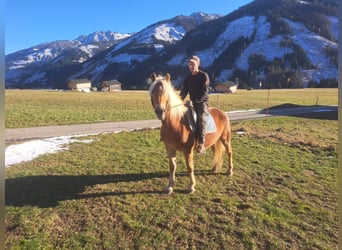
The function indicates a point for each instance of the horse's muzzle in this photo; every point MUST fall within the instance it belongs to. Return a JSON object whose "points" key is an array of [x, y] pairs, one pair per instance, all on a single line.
{"points": [[160, 112]]}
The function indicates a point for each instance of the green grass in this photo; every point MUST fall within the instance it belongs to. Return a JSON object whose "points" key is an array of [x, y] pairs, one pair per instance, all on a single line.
{"points": [[108, 194], [28, 108]]}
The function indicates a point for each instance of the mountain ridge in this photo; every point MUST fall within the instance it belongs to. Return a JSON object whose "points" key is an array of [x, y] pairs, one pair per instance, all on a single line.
{"points": [[274, 42]]}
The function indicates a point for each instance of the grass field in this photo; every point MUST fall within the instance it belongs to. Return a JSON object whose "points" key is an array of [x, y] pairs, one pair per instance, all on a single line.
{"points": [[108, 194], [26, 108]]}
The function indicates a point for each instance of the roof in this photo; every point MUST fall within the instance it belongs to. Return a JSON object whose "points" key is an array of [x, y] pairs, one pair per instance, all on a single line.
{"points": [[79, 81], [112, 82], [227, 83]]}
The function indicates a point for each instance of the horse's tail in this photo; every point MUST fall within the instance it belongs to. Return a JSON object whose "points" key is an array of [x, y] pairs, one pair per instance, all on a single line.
{"points": [[219, 150]]}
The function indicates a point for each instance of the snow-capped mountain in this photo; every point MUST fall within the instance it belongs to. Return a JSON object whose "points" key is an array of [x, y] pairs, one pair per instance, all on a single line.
{"points": [[29, 67], [98, 56], [135, 50], [281, 43], [101, 36]]}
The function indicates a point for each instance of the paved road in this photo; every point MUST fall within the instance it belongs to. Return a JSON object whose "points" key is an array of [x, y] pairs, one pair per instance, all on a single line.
{"points": [[23, 134]]}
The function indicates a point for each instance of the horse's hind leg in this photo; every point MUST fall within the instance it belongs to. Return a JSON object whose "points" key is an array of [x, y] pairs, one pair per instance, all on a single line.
{"points": [[229, 151], [172, 170], [190, 165], [218, 151], [227, 142]]}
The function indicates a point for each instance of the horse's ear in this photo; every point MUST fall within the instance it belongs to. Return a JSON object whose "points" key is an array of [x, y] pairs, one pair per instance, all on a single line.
{"points": [[168, 77], [153, 76]]}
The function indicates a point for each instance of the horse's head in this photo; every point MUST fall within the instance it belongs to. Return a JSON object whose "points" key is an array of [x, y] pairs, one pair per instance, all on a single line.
{"points": [[159, 94]]}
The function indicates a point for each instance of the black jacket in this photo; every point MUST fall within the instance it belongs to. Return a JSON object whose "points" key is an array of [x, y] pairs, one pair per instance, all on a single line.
{"points": [[197, 86]]}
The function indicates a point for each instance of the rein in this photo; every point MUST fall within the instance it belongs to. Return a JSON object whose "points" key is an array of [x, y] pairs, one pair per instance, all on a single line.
{"points": [[172, 107]]}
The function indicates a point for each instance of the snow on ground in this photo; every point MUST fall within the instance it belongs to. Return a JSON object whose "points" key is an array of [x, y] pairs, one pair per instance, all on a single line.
{"points": [[88, 49], [168, 32], [29, 150], [315, 46], [271, 48], [232, 33]]}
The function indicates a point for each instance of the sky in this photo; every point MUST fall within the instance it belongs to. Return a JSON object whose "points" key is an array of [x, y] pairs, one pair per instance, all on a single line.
{"points": [[29, 23]]}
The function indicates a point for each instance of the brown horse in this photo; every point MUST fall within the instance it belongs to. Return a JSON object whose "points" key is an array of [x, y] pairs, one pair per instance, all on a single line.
{"points": [[177, 136]]}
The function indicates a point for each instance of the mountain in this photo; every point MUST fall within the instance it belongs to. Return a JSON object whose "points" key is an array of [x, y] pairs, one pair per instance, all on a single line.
{"points": [[279, 43], [42, 65], [98, 56], [135, 50]]}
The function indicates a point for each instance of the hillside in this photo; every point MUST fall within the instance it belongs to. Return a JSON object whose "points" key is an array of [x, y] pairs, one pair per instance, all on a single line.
{"points": [[283, 44], [278, 43]]}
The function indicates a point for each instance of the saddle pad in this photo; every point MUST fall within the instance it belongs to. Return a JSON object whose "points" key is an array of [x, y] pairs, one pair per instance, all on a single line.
{"points": [[210, 125]]}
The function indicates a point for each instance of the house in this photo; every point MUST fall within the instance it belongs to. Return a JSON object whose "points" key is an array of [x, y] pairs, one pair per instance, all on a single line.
{"points": [[112, 85], [83, 85], [226, 87]]}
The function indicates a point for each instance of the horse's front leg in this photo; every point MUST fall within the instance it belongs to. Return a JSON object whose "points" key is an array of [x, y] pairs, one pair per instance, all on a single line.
{"points": [[190, 165], [172, 170]]}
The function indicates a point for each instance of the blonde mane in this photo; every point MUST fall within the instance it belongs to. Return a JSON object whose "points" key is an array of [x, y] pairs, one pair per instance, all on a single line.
{"points": [[176, 104]]}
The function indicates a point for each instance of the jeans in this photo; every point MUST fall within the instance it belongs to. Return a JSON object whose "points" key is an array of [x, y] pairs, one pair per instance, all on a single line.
{"points": [[201, 110]]}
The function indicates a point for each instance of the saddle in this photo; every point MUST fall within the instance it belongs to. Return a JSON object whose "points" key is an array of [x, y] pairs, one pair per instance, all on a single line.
{"points": [[210, 125]]}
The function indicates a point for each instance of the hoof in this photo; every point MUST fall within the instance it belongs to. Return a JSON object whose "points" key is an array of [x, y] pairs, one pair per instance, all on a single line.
{"points": [[230, 173], [215, 170], [169, 190], [191, 189]]}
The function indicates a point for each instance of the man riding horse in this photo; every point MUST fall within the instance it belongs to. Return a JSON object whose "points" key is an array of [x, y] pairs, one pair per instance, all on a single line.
{"points": [[197, 85]]}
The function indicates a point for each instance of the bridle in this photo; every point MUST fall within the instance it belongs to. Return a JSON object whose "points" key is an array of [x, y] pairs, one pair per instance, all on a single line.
{"points": [[159, 89]]}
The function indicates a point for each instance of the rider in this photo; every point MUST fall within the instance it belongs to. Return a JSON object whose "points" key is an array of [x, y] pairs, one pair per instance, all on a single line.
{"points": [[197, 85]]}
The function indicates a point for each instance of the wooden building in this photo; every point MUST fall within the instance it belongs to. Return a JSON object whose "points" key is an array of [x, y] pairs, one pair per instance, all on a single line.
{"points": [[226, 87], [79, 84], [112, 85]]}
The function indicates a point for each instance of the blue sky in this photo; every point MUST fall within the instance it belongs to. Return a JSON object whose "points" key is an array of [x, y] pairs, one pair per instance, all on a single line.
{"points": [[28, 23]]}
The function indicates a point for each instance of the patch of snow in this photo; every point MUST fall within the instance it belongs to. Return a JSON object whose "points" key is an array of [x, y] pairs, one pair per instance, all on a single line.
{"points": [[16, 67], [271, 48], [314, 46], [88, 49], [169, 33], [101, 36], [158, 47], [39, 56], [30, 150], [302, 2], [232, 33]]}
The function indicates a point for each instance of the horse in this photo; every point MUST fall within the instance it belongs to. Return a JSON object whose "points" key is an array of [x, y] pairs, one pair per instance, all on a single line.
{"points": [[177, 136]]}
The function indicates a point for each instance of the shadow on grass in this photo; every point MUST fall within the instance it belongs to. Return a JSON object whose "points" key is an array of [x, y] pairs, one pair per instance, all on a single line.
{"points": [[312, 112], [47, 191]]}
